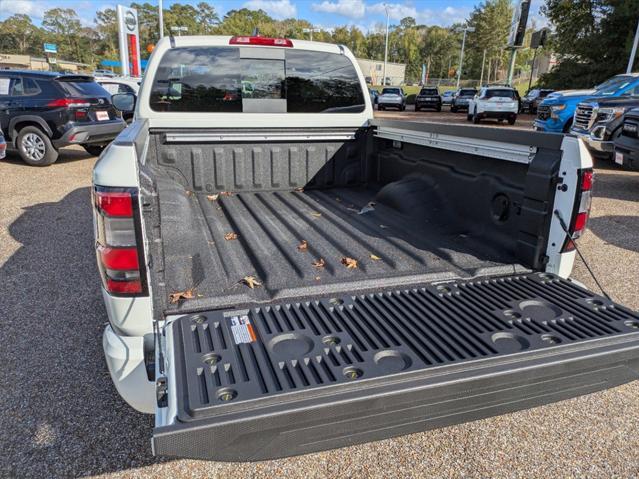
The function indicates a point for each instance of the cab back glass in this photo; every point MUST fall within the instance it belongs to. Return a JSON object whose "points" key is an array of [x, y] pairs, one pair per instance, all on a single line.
{"points": [[225, 80]]}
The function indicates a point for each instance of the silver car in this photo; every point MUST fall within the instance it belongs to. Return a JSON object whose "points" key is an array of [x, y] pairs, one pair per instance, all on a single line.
{"points": [[392, 97]]}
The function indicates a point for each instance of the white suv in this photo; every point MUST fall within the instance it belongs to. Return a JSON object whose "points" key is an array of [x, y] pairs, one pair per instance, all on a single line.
{"points": [[498, 102]]}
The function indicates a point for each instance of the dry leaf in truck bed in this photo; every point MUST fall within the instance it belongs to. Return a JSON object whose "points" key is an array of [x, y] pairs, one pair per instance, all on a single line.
{"points": [[226, 193], [374, 257], [299, 190], [316, 214], [250, 281], [176, 297], [212, 197], [350, 263], [319, 263], [188, 193], [230, 236], [303, 246]]}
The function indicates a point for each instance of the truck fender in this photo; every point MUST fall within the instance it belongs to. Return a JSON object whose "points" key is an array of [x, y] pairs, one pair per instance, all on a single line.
{"points": [[27, 118]]}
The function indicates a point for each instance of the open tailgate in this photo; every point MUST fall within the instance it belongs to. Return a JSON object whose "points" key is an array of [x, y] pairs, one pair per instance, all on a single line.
{"points": [[285, 379]]}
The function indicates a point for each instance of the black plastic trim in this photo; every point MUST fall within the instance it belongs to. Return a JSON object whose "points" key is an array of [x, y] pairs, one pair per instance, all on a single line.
{"points": [[391, 407]]}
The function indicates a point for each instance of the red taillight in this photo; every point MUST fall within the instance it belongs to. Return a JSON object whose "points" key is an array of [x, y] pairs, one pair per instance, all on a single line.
{"points": [[586, 180], [580, 222], [114, 203], [81, 115], [580, 217], [119, 258], [123, 287], [69, 103], [117, 243], [272, 42]]}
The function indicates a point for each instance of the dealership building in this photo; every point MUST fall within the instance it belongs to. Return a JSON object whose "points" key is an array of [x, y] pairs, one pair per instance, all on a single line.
{"points": [[27, 62], [373, 70]]}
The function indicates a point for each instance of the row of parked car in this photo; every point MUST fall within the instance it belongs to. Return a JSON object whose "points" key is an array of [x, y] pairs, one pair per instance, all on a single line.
{"points": [[41, 112], [605, 117], [493, 101]]}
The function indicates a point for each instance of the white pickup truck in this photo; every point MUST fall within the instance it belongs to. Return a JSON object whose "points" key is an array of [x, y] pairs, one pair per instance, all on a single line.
{"points": [[284, 274]]}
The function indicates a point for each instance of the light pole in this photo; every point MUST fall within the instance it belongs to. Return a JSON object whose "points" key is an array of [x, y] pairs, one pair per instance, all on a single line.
{"points": [[179, 30], [631, 60], [481, 77], [161, 18], [311, 30], [461, 55], [386, 47]]}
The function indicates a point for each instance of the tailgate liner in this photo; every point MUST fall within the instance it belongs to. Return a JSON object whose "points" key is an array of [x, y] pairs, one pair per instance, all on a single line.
{"points": [[294, 351]]}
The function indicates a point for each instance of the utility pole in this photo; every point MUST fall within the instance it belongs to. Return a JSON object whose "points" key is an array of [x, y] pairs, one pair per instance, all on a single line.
{"points": [[481, 77], [511, 66], [532, 68], [461, 55], [386, 47], [631, 60], [427, 72], [161, 18]]}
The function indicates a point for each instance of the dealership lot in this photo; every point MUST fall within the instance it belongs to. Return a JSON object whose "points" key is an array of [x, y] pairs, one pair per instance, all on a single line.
{"points": [[524, 120], [63, 417]]}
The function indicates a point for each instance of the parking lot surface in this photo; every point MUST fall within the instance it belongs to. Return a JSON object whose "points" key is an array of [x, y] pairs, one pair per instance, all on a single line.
{"points": [[62, 417]]}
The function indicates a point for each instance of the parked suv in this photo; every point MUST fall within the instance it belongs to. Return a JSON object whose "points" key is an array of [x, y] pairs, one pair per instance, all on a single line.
{"points": [[392, 97], [599, 121], [498, 102], [461, 99], [41, 112], [428, 97], [533, 98], [627, 142]]}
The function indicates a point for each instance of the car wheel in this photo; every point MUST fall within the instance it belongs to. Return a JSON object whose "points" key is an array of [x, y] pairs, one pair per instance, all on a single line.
{"points": [[469, 117], [416, 108], [380, 108], [512, 120], [402, 108], [453, 109], [35, 147], [475, 117], [94, 150]]}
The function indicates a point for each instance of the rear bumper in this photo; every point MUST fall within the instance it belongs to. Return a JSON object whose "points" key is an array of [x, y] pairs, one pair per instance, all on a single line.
{"points": [[405, 404], [428, 104], [95, 133], [503, 115], [125, 359], [389, 105]]}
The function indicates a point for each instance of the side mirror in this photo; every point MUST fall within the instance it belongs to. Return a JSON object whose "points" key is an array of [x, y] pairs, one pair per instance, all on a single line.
{"points": [[125, 102]]}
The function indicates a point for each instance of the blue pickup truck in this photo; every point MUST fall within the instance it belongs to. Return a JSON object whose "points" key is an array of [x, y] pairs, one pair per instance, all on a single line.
{"points": [[555, 113]]}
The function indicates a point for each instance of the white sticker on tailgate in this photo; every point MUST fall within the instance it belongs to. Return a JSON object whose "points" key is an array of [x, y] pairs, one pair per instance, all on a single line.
{"points": [[242, 329]]}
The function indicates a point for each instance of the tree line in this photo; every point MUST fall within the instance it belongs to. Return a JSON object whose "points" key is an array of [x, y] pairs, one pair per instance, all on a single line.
{"points": [[591, 38]]}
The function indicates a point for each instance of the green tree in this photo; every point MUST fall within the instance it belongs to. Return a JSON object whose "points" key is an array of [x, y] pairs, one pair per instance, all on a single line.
{"points": [[19, 35], [592, 39]]}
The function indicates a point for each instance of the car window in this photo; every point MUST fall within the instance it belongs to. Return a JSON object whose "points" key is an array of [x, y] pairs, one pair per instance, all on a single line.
{"points": [[391, 91], [610, 87], [114, 88], [81, 88], [467, 92], [499, 93], [428, 91], [216, 79], [30, 87], [533, 94], [16, 87], [634, 91]]}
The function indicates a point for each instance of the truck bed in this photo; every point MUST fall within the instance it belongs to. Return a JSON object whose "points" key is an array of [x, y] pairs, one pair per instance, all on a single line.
{"points": [[390, 248]]}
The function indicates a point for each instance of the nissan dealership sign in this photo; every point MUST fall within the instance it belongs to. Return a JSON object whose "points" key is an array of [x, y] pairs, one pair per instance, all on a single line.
{"points": [[129, 38]]}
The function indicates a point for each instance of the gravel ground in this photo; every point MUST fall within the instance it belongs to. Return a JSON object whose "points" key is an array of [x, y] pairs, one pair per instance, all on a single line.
{"points": [[61, 415]]}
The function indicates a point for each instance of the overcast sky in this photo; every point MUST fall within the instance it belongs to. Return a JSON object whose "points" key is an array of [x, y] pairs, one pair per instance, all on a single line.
{"points": [[323, 13]]}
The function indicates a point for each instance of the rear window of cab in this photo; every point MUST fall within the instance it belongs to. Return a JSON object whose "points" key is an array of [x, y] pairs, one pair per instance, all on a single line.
{"points": [[229, 80]]}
